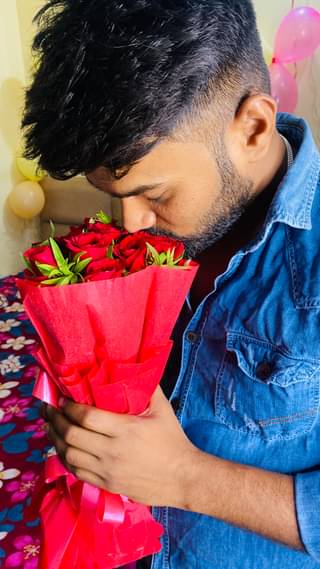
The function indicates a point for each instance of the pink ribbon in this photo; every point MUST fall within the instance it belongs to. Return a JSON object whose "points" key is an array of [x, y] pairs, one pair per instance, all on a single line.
{"points": [[84, 526]]}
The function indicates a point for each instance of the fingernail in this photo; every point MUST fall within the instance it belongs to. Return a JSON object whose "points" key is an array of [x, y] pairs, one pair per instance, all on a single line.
{"points": [[62, 401]]}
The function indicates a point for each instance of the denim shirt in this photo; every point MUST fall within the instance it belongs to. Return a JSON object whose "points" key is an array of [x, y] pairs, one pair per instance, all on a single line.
{"points": [[248, 387]]}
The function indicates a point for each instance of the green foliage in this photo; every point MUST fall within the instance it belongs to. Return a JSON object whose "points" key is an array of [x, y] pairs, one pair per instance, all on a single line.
{"points": [[101, 217], [65, 272], [163, 259]]}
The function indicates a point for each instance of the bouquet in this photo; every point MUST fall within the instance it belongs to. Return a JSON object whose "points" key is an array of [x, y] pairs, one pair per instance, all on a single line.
{"points": [[104, 341]]}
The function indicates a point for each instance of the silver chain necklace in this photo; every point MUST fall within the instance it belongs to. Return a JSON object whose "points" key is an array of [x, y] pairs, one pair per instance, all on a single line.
{"points": [[289, 151]]}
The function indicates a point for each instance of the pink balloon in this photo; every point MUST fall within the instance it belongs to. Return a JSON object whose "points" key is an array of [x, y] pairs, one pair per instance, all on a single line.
{"points": [[284, 88], [298, 35]]}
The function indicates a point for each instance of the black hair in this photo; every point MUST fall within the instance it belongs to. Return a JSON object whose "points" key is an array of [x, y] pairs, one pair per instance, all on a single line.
{"points": [[116, 76]]}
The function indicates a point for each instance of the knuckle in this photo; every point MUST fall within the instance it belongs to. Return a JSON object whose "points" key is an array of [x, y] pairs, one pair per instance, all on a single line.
{"points": [[87, 419], [70, 456], [71, 435]]}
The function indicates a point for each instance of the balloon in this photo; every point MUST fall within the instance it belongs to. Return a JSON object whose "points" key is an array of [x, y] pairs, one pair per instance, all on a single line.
{"points": [[27, 199], [284, 88], [298, 35], [30, 169], [267, 51]]}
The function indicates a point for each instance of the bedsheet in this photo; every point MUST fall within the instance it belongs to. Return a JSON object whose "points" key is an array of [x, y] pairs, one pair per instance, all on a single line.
{"points": [[23, 441]]}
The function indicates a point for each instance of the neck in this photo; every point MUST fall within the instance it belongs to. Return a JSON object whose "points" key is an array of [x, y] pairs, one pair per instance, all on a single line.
{"points": [[214, 260], [274, 164]]}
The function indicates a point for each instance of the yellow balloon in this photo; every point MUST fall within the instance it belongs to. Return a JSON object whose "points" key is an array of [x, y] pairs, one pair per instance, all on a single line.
{"points": [[27, 199], [267, 51], [30, 169]]}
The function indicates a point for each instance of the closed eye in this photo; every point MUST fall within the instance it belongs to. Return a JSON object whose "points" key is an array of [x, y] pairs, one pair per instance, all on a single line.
{"points": [[159, 198]]}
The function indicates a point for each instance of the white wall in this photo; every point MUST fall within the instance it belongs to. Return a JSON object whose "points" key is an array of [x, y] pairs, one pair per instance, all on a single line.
{"points": [[15, 234]]}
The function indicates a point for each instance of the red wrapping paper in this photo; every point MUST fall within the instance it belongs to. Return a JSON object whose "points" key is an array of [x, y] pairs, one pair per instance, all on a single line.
{"points": [[102, 343]]}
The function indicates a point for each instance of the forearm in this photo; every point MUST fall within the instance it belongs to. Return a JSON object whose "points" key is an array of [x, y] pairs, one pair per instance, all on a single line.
{"points": [[250, 498]]}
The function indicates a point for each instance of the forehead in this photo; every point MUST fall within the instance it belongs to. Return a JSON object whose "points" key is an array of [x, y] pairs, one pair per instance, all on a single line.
{"points": [[167, 163]]}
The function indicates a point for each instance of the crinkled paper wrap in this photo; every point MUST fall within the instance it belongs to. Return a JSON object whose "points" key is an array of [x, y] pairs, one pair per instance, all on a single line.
{"points": [[104, 343]]}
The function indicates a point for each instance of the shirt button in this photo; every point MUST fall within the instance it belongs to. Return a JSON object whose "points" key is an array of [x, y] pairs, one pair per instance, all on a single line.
{"points": [[264, 370], [192, 337], [175, 403]]}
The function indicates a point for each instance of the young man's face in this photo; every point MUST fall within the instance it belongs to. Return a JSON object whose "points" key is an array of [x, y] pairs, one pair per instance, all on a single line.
{"points": [[181, 190]]}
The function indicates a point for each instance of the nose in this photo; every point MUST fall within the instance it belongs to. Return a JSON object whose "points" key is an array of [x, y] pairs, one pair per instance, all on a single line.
{"points": [[136, 214]]}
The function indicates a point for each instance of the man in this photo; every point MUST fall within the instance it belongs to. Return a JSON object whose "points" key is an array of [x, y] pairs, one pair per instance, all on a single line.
{"points": [[166, 104]]}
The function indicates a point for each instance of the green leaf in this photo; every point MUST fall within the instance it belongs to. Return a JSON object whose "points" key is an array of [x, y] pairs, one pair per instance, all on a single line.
{"points": [[81, 265], [78, 256], [57, 253], [44, 243], [45, 269], [153, 254], [60, 281], [109, 254], [52, 282], [103, 217], [74, 279], [178, 259], [64, 281], [55, 273], [52, 229], [28, 263]]}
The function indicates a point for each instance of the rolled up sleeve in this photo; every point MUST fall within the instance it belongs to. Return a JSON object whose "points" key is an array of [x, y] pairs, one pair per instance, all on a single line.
{"points": [[307, 495]]}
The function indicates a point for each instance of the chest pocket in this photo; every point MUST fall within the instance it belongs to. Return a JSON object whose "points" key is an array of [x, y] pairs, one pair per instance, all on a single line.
{"points": [[264, 391]]}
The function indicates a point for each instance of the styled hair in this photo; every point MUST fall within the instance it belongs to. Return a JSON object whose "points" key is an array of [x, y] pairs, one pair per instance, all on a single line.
{"points": [[116, 76]]}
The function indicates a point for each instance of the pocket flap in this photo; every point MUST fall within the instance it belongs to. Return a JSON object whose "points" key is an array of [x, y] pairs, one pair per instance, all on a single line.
{"points": [[268, 363]]}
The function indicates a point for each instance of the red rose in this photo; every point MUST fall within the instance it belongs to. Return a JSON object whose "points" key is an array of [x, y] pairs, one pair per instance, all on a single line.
{"points": [[99, 227], [93, 245], [103, 269], [39, 254], [75, 230], [132, 251], [162, 244]]}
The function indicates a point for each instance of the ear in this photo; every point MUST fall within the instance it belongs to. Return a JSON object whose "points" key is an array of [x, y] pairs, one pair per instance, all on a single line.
{"points": [[252, 130]]}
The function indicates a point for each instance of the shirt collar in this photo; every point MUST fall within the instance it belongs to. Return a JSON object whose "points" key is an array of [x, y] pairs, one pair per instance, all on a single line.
{"points": [[293, 201]]}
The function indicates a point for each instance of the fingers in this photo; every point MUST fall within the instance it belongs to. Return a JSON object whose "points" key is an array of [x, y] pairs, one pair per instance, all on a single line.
{"points": [[97, 420], [43, 411], [90, 477], [73, 458], [74, 436]]}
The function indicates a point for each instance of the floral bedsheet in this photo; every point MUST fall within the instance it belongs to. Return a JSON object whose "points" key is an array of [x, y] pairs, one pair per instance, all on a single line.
{"points": [[23, 441]]}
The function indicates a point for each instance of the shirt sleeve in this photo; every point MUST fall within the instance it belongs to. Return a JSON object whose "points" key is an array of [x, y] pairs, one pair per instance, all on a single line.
{"points": [[307, 496]]}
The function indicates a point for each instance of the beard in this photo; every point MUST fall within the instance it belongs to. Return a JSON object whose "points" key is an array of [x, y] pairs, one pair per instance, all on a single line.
{"points": [[224, 212]]}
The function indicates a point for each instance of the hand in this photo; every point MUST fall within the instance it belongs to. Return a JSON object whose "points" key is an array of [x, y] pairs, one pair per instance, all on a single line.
{"points": [[147, 458]]}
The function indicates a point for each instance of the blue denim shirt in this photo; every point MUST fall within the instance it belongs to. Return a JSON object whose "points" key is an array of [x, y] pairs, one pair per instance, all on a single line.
{"points": [[248, 387]]}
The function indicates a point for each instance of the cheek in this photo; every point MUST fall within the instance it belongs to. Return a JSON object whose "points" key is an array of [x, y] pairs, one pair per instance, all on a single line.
{"points": [[184, 213]]}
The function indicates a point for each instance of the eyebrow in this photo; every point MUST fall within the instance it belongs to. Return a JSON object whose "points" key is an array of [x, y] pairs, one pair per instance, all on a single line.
{"points": [[134, 192]]}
